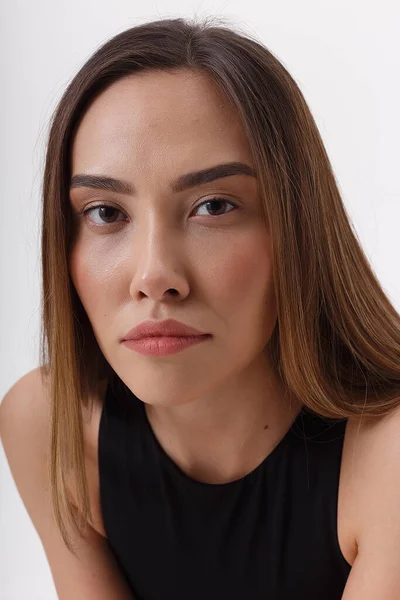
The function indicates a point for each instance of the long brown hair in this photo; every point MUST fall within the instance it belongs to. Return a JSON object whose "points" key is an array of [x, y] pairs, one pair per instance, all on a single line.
{"points": [[336, 344]]}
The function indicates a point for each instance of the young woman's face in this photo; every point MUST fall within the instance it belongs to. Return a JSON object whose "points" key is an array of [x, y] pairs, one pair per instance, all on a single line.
{"points": [[148, 130]]}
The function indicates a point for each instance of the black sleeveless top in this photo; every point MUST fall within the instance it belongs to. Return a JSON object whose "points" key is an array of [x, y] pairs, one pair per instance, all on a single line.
{"points": [[271, 535]]}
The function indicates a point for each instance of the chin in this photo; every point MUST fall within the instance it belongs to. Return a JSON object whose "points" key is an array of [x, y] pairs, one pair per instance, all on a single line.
{"points": [[163, 393]]}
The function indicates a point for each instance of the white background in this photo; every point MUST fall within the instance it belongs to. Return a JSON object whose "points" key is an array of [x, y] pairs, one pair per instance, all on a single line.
{"points": [[344, 54]]}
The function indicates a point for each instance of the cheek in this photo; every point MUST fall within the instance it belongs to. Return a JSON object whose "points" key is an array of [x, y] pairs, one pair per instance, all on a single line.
{"points": [[92, 275], [242, 274]]}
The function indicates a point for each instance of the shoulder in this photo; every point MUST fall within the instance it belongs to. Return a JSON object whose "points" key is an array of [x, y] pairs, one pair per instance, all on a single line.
{"points": [[33, 381], [371, 484], [25, 431], [373, 453], [25, 435], [25, 412]]}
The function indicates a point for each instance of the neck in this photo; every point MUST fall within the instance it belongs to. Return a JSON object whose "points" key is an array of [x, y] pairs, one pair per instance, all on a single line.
{"points": [[225, 434]]}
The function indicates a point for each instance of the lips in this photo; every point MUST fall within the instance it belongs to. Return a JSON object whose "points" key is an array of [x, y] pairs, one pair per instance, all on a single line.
{"points": [[167, 328]]}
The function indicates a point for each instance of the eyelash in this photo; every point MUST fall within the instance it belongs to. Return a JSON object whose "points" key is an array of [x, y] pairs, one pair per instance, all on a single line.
{"points": [[215, 199]]}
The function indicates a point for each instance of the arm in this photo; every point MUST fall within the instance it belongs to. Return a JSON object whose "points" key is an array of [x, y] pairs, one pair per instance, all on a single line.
{"points": [[376, 492], [24, 429]]}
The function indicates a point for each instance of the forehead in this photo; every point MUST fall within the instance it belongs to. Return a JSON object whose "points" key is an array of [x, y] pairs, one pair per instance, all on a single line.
{"points": [[156, 117]]}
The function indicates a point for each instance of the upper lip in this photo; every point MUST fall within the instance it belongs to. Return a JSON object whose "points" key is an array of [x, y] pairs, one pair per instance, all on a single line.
{"points": [[166, 328]]}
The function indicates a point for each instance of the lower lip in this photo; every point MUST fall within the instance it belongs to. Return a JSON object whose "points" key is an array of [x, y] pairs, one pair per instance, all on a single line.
{"points": [[162, 346]]}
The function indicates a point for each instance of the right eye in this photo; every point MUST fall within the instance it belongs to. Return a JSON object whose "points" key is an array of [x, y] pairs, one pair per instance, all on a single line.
{"points": [[106, 212]]}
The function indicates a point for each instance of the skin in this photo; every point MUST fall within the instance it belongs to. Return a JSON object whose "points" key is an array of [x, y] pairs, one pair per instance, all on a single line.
{"points": [[216, 406]]}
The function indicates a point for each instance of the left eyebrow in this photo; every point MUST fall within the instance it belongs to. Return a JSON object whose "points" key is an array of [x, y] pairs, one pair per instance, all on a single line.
{"points": [[189, 180]]}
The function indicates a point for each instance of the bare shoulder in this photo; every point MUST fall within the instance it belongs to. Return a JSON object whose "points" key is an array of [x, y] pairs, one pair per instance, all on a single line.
{"points": [[25, 413], [25, 424], [373, 444], [370, 505], [370, 478], [25, 432], [33, 382], [24, 416]]}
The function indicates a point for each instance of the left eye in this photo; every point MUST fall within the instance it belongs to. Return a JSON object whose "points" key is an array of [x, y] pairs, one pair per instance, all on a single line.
{"points": [[215, 203]]}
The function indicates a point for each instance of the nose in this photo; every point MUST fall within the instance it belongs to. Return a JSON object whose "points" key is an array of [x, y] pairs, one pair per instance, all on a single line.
{"points": [[158, 272]]}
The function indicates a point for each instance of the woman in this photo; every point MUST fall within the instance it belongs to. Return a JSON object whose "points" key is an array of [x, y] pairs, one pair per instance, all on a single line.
{"points": [[218, 399]]}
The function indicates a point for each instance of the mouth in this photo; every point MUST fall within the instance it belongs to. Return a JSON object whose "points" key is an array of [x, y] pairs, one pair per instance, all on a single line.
{"points": [[168, 327], [164, 345]]}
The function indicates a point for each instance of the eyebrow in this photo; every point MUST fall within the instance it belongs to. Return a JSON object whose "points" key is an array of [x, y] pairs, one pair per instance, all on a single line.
{"points": [[189, 180]]}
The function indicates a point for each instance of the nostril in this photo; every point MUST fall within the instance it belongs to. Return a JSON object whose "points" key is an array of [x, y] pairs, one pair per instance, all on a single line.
{"points": [[172, 292]]}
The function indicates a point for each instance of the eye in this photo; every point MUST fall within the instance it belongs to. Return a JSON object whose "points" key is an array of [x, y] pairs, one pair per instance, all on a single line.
{"points": [[106, 212], [214, 205]]}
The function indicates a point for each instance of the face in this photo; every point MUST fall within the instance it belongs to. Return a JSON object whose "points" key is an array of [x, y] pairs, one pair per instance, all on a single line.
{"points": [[208, 243]]}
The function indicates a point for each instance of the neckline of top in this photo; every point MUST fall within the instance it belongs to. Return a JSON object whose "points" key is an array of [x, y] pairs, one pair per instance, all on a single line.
{"points": [[247, 478]]}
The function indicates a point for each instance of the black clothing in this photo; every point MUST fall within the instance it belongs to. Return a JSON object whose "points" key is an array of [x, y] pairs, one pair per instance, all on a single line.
{"points": [[271, 535]]}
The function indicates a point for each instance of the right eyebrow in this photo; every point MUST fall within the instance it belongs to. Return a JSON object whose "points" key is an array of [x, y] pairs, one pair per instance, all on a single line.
{"points": [[189, 180]]}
